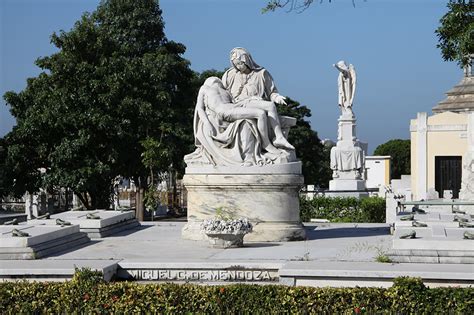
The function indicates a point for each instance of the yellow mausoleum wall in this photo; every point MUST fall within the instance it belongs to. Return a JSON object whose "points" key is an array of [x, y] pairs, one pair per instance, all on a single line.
{"points": [[445, 136]]}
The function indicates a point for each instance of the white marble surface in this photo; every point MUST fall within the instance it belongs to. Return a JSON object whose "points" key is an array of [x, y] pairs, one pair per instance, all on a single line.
{"points": [[236, 121], [287, 168], [107, 218], [264, 199], [37, 234], [342, 185]]}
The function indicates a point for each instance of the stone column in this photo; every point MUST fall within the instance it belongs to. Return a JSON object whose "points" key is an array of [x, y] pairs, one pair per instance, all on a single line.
{"points": [[467, 184], [421, 139]]}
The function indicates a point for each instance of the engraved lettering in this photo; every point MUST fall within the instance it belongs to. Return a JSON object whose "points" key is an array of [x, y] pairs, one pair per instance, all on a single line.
{"points": [[214, 274], [194, 275], [163, 274], [145, 275], [133, 273], [266, 275], [202, 275], [223, 275], [249, 275]]}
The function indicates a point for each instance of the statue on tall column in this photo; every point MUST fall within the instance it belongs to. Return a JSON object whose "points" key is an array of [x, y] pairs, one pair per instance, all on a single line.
{"points": [[347, 158], [347, 84]]}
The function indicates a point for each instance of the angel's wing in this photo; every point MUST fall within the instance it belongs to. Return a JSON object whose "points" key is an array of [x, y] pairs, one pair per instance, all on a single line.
{"points": [[353, 82]]}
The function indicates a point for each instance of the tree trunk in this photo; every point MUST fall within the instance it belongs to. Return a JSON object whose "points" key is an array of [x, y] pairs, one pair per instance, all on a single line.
{"points": [[83, 199], [140, 207]]}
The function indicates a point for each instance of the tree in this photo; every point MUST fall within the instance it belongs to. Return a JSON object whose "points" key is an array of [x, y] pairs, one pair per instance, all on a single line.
{"points": [[399, 150], [291, 5], [115, 82], [308, 146], [2, 168], [456, 32]]}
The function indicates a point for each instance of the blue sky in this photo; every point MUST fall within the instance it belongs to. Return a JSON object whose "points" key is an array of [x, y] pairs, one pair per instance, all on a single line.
{"points": [[391, 43]]}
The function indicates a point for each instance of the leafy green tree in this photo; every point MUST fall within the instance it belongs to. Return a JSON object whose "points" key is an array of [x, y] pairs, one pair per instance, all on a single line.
{"points": [[399, 150], [115, 82], [2, 168], [456, 32], [309, 148]]}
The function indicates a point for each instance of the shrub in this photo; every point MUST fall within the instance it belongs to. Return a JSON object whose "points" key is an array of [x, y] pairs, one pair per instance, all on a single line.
{"points": [[343, 209], [406, 296]]}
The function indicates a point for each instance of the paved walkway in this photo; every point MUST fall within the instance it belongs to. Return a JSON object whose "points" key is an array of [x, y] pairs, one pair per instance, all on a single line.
{"points": [[334, 254]]}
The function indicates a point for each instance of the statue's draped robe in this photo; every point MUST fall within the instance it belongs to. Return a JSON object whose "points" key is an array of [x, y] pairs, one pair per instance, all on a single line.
{"points": [[238, 142]]}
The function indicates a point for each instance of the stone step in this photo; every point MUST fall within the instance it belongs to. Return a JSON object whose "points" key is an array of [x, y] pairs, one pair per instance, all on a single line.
{"points": [[432, 256], [434, 217], [437, 231], [439, 208], [363, 274], [53, 270], [407, 224], [111, 229]]}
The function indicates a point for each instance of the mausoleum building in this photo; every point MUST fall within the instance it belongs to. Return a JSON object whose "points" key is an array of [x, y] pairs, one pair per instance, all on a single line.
{"points": [[441, 144]]}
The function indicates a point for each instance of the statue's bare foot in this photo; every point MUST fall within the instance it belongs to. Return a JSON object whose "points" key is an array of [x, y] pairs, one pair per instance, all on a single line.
{"points": [[283, 143], [270, 148]]}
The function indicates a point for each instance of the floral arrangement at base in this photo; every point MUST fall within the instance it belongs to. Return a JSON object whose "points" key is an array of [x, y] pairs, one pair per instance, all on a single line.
{"points": [[226, 233]]}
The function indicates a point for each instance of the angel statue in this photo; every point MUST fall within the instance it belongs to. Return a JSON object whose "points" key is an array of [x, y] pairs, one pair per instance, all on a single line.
{"points": [[347, 84]]}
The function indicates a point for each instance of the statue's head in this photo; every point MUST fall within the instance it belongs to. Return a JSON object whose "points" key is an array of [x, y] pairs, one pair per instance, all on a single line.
{"points": [[342, 65], [241, 60]]}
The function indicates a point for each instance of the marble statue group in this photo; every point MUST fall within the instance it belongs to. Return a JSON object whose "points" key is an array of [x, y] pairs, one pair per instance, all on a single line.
{"points": [[236, 120]]}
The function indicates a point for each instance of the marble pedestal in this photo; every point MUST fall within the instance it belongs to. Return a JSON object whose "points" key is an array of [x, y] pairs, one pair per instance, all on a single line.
{"points": [[268, 196], [347, 162], [347, 188]]}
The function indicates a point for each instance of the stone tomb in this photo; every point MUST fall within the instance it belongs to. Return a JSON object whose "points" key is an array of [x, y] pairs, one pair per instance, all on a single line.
{"points": [[42, 240], [107, 223], [441, 241]]}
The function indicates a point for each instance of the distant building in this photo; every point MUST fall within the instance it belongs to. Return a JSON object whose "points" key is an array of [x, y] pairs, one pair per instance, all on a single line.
{"points": [[440, 143], [377, 168]]}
